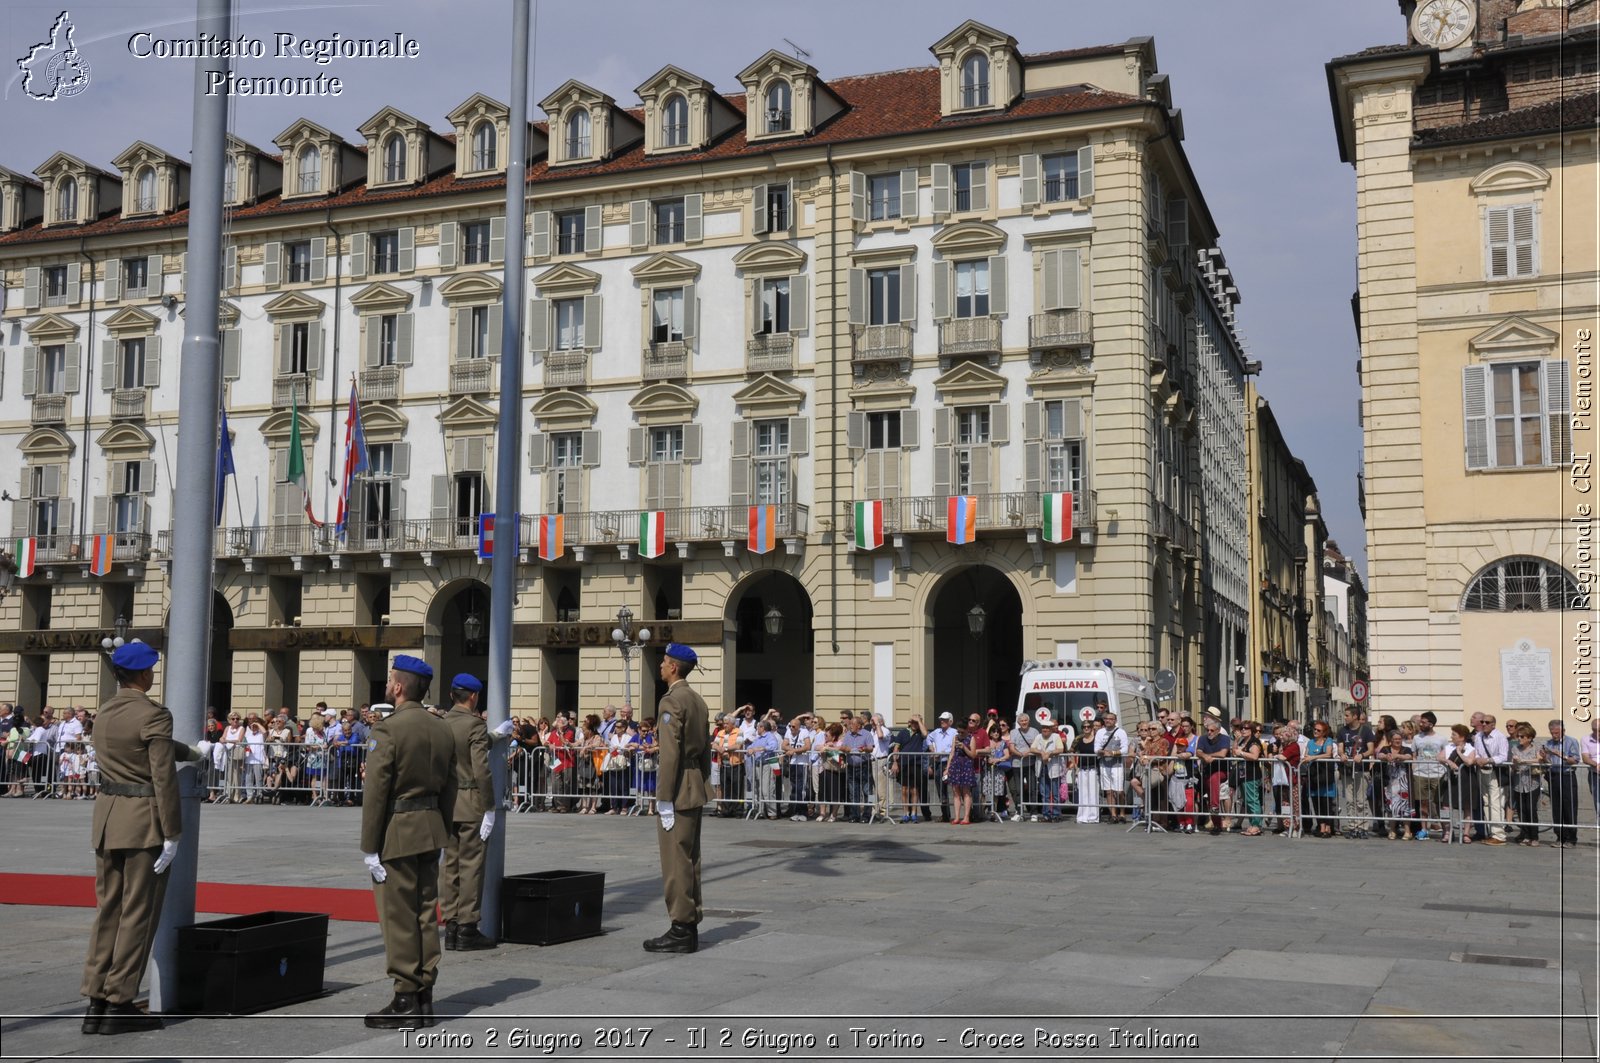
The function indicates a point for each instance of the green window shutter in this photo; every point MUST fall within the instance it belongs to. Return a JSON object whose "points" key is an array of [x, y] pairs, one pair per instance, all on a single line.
{"points": [[593, 316], [594, 236], [408, 248], [799, 303], [230, 354], [1475, 381], [639, 224], [541, 234], [980, 186], [108, 365], [271, 263], [910, 429], [30, 372], [497, 238], [799, 436], [538, 325], [113, 286], [858, 197], [496, 324], [75, 282], [1085, 171], [74, 368], [1557, 390], [404, 339], [693, 219], [941, 291], [690, 316], [1029, 165], [997, 285], [908, 294], [152, 362], [447, 245], [941, 190], [858, 296], [358, 255], [758, 209], [908, 193], [32, 282]]}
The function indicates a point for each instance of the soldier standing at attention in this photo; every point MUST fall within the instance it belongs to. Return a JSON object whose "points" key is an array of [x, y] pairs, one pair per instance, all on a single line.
{"points": [[472, 822], [408, 799], [682, 789], [135, 832]]}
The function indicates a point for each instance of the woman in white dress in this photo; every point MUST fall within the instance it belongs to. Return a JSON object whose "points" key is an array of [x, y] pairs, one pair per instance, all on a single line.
{"points": [[1086, 766]]}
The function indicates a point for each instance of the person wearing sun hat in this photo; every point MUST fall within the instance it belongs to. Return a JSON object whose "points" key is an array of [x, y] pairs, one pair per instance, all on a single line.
{"points": [[682, 789]]}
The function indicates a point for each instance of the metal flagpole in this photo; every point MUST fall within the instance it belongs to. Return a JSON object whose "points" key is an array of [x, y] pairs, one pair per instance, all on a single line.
{"points": [[188, 650], [503, 567]]}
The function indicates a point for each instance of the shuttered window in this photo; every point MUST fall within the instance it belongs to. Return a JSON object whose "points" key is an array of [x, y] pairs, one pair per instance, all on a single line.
{"points": [[883, 196], [666, 315], [774, 306], [569, 324], [475, 243], [570, 230], [772, 472], [1512, 241], [564, 476], [1517, 415], [972, 288]]}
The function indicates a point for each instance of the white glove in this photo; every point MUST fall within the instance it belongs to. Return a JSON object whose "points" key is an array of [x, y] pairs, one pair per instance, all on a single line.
{"points": [[374, 864], [667, 817], [169, 852], [488, 825], [505, 729]]}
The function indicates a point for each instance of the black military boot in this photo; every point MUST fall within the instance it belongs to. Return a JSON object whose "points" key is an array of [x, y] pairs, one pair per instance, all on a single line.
{"points": [[452, 935], [401, 1013], [680, 937], [127, 1018], [471, 939], [92, 1017], [425, 1005]]}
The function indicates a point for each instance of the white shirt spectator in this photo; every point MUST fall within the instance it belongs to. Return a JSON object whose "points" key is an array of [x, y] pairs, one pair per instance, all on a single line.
{"points": [[1426, 748], [70, 731], [942, 740], [255, 747], [884, 738], [1493, 747]]}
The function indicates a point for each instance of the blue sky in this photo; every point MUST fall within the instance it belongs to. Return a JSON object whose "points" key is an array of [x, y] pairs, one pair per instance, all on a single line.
{"points": [[1248, 75]]}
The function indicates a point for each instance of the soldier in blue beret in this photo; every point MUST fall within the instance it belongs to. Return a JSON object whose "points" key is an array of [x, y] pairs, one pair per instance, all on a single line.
{"points": [[682, 791]]}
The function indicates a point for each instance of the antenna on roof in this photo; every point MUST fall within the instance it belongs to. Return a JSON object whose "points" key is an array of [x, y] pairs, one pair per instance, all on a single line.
{"points": [[799, 52]]}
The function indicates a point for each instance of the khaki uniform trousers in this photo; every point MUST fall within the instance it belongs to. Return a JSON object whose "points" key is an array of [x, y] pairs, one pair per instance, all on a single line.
{"points": [[680, 867], [461, 884], [127, 894], [407, 914]]}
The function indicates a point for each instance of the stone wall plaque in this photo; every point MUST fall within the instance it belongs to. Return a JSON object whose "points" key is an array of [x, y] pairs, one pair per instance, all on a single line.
{"points": [[1526, 681]]}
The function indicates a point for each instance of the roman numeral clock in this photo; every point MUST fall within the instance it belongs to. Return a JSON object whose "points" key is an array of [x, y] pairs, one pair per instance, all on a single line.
{"points": [[1444, 24]]}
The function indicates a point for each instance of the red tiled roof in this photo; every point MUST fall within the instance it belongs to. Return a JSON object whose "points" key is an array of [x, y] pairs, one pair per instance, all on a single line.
{"points": [[894, 103], [1574, 112]]}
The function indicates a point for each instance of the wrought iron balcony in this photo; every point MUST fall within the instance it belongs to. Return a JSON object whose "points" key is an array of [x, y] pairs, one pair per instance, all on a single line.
{"points": [[475, 376], [291, 389], [668, 360], [1170, 527], [882, 343], [566, 369], [969, 335], [49, 409], [1006, 511], [1061, 328], [769, 352], [66, 548], [128, 404], [380, 384], [684, 524]]}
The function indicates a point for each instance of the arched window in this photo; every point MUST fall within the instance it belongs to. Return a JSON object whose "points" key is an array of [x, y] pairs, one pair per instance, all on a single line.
{"points": [[578, 135], [778, 104], [975, 80], [310, 169], [674, 122], [394, 158], [1523, 585], [145, 196], [67, 199], [483, 145]]}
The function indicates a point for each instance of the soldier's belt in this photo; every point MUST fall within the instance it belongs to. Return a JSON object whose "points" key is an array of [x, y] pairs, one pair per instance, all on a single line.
{"points": [[413, 804], [127, 789], [464, 784]]}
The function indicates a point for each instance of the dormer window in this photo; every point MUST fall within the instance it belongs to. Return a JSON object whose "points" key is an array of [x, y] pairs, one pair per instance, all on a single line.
{"points": [[578, 135], [975, 80], [674, 122], [394, 158], [779, 107], [483, 145], [67, 199], [230, 181], [309, 169], [145, 198]]}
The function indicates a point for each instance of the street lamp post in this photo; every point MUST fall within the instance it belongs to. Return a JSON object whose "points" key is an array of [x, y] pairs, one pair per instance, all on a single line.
{"points": [[627, 641], [120, 639]]}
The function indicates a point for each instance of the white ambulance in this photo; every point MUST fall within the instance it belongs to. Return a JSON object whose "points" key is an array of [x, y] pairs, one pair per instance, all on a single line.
{"points": [[1069, 688]]}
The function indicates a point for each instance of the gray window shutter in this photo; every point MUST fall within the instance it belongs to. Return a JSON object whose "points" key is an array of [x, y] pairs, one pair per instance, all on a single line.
{"points": [[981, 458], [1050, 280], [758, 209], [536, 451], [447, 245], [799, 436], [319, 259], [1032, 421], [997, 284], [283, 349], [75, 282], [313, 352], [30, 372], [638, 441], [74, 368], [908, 294], [153, 266], [1524, 240], [910, 429], [591, 448], [462, 318], [52, 481], [691, 442], [639, 224], [941, 291], [1071, 279], [1030, 180], [230, 268], [32, 287], [999, 424], [799, 303], [539, 325], [943, 458], [858, 196], [541, 234], [496, 325], [593, 315], [1072, 419], [855, 432], [980, 186], [405, 330], [1085, 171], [908, 193], [1475, 380], [943, 427], [147, 477], [594, 236], [441, 499], [1557, 390], [108, 365], [102, 504], [400, 461], [408, 248], [271, 263], [497, 238], [693, 220], [230, 354], [690, 315], [20, 514], [739, 470], [757, 288], [64, 507], [113, 286], [941, 189], [358, 255], [1033, 467], [858, 296], [372, 341], [152, 362]]}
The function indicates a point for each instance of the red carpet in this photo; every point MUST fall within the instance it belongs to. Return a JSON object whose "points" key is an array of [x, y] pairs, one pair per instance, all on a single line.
{"points": [[227, 898]]}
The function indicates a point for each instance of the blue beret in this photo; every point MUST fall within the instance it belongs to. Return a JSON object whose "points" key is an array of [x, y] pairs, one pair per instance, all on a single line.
{"points": [[467, 682], [678, 651], [135, 656], [414, 665]]}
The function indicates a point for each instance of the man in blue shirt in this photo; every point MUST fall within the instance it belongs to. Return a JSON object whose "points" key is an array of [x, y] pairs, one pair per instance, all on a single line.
{"points": [[1560, 756], [762, 756], [857, 764]]}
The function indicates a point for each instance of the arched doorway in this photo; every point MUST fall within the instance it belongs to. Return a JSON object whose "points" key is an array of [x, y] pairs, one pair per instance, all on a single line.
{"points": [[220, 694], [769, 645], [457, 635], [975, 627]]}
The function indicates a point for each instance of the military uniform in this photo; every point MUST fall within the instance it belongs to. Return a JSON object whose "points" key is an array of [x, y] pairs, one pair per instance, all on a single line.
{"points": [[684, 736], [408, 799], [466, 851]]}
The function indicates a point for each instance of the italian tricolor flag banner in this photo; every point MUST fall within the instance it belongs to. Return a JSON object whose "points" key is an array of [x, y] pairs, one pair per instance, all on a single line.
{"points": [[868, 525], [27, 555], [653, 533], [1057, 522]]}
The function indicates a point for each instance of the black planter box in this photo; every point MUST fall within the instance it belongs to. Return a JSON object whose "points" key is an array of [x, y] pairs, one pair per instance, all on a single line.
{"points": [[250, 963], [549, 907]]}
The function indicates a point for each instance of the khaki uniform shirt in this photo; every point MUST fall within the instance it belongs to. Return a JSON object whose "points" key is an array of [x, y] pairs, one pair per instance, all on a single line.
{"points": [[474, 784], [410, 756], [684, 735], [133, 743]]}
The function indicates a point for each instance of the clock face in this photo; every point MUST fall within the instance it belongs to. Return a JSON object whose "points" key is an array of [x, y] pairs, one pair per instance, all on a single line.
{"points": [[1443, 24]]}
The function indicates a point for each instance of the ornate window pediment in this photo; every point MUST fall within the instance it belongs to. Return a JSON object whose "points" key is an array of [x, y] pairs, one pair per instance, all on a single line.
{"points": [[883, 394], [153, 181], [586, 125], [980, 69], [43, 444], [970, 382], [564, 411], [471, 288], [682, 112], [1515, 177], [74, 191], [666, 268], [382, 423], [227, 314], [132, 320], [401, 150], [773, 258], [124, 438], [295, 305], [313, 159], [50, 328], [483, 136], [969, 238], [767, 396], [381, 298], [664, 404], [276, 427], [1515, 337], [776, 79], [567, 281], [467, 414]]}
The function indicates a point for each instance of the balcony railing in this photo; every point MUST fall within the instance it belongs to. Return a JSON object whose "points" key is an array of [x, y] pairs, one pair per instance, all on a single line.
{"points": [[1061, 328], [969, 335], [128, 404], [769, 352], [49, 409], [472, 377], [666, 360], [566, 369], [1009, 511], [1171, 526], [380, 384], [883, 343], [289, 389], [67, 548], [685, 524]]}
